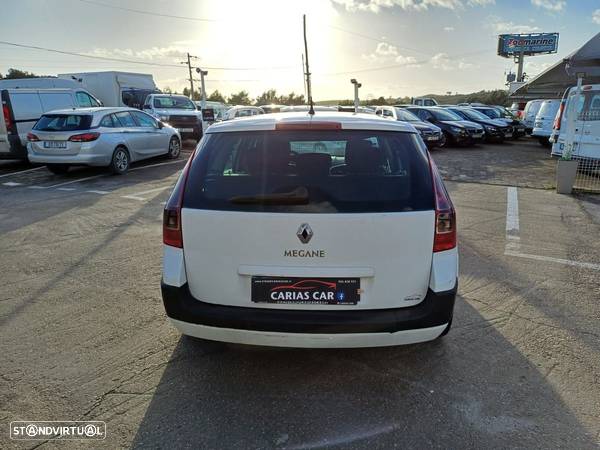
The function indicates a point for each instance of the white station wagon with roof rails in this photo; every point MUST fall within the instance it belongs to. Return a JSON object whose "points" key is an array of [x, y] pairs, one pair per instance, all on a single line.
{"points": [[292, 230], [111, 137]]}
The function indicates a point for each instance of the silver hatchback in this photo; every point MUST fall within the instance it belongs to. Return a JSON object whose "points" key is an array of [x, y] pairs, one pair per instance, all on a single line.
{"points": [[111, 137]]}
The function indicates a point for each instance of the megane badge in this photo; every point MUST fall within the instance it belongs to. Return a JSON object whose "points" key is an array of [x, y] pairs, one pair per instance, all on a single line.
{"points": [[304, 233]]}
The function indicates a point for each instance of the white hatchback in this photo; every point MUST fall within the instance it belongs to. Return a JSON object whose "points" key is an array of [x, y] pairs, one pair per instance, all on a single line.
{"points": [[332, 230]]}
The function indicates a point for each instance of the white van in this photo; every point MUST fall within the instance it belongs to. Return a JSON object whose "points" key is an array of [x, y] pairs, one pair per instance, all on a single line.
{"points": [[531, 109], [586, 126], [22, 107], [115, 88], [544, 120]]}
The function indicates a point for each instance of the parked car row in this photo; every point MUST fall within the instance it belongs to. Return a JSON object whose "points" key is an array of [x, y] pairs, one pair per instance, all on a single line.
{"points": [[456, 125]]}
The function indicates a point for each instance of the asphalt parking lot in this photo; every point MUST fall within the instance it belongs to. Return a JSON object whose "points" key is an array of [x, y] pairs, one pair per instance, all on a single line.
{"points": [[84, 335]]}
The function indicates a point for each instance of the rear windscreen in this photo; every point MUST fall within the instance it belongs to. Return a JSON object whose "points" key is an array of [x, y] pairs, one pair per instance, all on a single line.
{"points": [[333, 171], [63, 122]]}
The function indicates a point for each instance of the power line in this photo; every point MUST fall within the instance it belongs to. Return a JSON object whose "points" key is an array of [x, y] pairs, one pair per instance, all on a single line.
{"points": [[107, 58], [199, 19], [148, 13], [83, 55], [372, 38]]}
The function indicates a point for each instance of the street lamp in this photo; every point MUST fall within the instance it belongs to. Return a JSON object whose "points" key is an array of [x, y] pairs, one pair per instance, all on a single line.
{"points": [[202, 73], [356, 86]]}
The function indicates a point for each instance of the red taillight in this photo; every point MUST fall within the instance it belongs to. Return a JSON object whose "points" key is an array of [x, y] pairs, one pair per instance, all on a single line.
{"points": [[312, 125], [445, 216], [172, 232], [7, 120], [559, 114], [32, 137], [84, 137]]}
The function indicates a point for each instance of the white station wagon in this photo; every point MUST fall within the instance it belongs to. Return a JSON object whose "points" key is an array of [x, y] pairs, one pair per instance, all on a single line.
{"points": [[292, 230]]}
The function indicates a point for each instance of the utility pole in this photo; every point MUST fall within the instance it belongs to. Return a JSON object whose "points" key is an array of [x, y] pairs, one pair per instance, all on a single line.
{"points": [[356, 100], [190, 67]]}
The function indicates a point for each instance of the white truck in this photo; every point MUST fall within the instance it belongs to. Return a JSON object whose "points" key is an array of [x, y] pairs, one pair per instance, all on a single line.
{"points": [[116, 88]]}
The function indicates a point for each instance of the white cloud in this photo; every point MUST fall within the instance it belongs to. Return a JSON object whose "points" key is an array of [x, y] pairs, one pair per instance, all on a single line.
{"points": [[387, 53], [148, 53], [416, 5], [550, 5], [448, 29], [499, 26], [442, 61], [596, 16]]}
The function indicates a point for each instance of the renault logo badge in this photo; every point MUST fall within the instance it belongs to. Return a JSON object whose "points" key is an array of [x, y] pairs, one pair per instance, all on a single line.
{"points": [[305, 233]]}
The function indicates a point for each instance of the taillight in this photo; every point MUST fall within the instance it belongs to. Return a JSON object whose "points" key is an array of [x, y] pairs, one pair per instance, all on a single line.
{"points": [[172, 232], [7, 119], [32, 137], [558, 118], [445, 216], [84, 137]]}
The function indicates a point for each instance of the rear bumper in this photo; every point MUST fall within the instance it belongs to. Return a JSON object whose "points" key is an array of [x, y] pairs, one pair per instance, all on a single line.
{"points": [[309, 328], [86, 157], [541, 132]]}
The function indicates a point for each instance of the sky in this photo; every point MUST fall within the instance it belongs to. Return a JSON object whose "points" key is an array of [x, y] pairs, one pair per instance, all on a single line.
{"points": [[393, 47]]}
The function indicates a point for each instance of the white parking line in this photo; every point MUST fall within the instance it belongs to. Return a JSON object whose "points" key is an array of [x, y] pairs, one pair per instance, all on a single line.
{"points": [[21, 171], [566, 262], [136, 195], [11, 183], [513, 240], [66, 189], [98, 192], [159, 164], [74, 181]]}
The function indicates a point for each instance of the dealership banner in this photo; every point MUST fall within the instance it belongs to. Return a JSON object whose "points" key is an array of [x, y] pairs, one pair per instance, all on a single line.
{"points": [[529, 44]]}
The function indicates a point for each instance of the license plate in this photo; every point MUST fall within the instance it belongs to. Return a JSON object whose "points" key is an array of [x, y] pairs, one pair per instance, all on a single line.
{"points": [[185, 130], [55, 144], [432, 138], [508, 135], [520, 130], [478, 135], [308, 291]]}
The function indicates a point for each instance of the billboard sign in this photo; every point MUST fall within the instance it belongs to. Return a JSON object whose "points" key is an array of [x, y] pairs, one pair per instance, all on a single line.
{"points": [[530, 44]]}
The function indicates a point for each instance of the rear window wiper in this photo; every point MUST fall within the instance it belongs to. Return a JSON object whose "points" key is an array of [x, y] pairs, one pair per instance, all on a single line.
{"points": [[298, 196]]}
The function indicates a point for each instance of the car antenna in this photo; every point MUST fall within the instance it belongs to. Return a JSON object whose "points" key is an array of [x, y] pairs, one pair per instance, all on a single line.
{"points": [[311, 107]]}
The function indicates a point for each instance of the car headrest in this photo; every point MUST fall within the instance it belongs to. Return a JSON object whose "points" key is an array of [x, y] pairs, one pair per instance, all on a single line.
{"points": [[260, 160], [317, 164], [363, 157]]}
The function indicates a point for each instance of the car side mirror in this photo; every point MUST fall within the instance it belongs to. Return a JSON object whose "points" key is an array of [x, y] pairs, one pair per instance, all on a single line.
{"points": [[198, 108], [161, 125], [146, 107]]}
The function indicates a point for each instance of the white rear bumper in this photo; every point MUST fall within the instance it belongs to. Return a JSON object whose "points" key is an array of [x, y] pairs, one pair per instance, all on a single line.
{"points": [[308, 340]]}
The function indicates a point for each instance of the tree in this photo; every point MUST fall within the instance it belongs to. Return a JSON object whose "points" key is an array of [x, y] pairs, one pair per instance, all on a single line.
{"points": [[16, 73], [196, 95], [292, 99], [241, 98], [267, 98], [167, 90], [216, 96]]}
